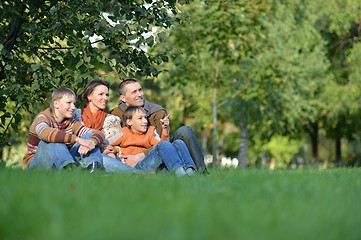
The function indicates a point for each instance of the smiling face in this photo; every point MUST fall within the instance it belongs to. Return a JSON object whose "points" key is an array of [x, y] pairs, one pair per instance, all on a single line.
{"points": [[133, 95], [138, 123], [64, 107], [99, 98]]}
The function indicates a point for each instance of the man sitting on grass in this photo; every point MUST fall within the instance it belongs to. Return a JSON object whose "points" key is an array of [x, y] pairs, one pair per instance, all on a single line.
{"points": [[131, 94]]}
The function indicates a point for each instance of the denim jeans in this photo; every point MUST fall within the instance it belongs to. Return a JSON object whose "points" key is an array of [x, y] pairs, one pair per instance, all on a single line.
{"points": [[184, 154], [57, 155], [113, 165], [187, 135], [172, 156]]}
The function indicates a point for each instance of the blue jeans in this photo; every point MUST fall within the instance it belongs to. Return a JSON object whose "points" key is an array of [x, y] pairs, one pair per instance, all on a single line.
{"points": [[116, 166], [187, 135], [173, 156], [57, 155]]}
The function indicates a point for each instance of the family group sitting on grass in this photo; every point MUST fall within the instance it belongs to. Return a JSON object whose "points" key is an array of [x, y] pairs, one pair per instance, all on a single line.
{"points": [[134, 138]]}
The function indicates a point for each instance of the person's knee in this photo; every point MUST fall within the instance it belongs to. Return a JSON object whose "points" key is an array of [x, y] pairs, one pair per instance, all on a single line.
{"points": [[163, 144], [179, 143], [183, 132]]}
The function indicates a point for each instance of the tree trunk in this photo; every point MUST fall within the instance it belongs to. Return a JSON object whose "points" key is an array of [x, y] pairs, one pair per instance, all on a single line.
{"points": [[215, 159], [263, 160], [243, 146], [220, 146], [204, 143], [2, 162], [338, 152], [313, 131]]}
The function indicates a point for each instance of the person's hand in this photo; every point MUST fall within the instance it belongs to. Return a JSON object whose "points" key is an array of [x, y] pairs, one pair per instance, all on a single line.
{"points": [[133, 160], [86, 145], [165, 125], [83, 150], [110, 154], [110, 148]]}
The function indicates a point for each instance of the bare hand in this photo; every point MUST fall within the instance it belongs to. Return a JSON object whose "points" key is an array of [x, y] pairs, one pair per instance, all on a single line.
{"points": [[83, 150], [110, 154], [86, 143], [165, 124], [133, 160], [111, 148]]}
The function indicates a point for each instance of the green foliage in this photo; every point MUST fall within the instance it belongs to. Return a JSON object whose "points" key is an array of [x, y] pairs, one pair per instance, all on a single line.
{"points": [[231, 204], [47, 44], [227, 27], [283, 150], [341, 28]]}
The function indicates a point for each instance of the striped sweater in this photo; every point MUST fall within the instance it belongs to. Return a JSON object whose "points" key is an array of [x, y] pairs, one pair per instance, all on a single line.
{"points": [[44, 127]]}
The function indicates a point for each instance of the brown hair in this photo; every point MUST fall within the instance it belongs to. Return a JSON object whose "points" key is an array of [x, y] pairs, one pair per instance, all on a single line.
{"points": [[58, 94], [124, 83], [129, 112], [89, 88]]}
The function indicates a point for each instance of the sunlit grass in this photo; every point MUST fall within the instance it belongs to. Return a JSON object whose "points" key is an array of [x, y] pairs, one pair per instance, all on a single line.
{"points": [[230, 204]]}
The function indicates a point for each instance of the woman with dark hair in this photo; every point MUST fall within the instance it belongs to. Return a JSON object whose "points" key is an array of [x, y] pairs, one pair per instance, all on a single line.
{"points": [[93, 115]]}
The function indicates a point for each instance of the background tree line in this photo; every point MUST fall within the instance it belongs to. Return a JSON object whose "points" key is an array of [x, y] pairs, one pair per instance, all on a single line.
{"points": [[279, 78], [273, 83]]}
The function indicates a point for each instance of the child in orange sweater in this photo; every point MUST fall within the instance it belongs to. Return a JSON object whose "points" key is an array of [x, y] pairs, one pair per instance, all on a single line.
{"points": [[137, 137]]}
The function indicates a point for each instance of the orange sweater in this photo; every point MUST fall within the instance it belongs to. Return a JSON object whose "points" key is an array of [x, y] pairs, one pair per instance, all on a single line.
{"points": [[132, 143]]}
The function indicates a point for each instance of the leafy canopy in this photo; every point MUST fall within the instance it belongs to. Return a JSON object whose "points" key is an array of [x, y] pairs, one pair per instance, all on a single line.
{"points": [[45, 44]]}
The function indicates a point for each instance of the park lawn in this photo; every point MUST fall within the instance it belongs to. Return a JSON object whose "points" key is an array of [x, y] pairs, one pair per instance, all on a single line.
{"points": [[229, 204]]}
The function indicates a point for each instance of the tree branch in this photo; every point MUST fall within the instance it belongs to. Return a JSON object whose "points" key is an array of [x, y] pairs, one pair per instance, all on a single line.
{"points": [[7, 127]]}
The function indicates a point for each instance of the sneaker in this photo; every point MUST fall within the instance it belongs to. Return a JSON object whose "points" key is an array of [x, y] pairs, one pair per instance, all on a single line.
{"points": [[95, 166], [180, 172], [190, 171]]}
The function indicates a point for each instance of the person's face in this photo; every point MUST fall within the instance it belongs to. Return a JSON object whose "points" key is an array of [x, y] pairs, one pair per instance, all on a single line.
{"points": [[133, 95], [138, 123], [64, 107], [99, 98]]}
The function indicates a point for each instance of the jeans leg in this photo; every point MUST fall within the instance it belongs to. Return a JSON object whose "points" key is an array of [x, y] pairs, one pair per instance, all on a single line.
{"points": [[51, 155], [163, 152], [116, 166], [86, 159], [183, 152], [151, 162], [187, 135]]}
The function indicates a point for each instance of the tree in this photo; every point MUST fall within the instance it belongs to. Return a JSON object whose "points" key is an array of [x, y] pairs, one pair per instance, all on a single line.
{"points": [[45, 44], [217, 36], [341, 27], [299, 69]]}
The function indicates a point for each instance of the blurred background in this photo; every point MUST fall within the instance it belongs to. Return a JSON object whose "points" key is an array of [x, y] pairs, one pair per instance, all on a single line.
{"points": [[264, 84]]}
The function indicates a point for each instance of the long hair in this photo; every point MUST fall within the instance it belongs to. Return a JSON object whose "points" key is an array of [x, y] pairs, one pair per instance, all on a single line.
{"points": [[89, 88]]}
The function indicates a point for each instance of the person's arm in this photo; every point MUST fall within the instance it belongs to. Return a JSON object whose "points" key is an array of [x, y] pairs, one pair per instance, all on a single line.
{"points": [[47, 133], [154, 120], [79, 129], [87, 145], [165, 127]]}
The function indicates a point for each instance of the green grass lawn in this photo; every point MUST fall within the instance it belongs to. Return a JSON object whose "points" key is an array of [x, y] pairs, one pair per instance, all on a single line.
{"points": [[230, 204]]}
